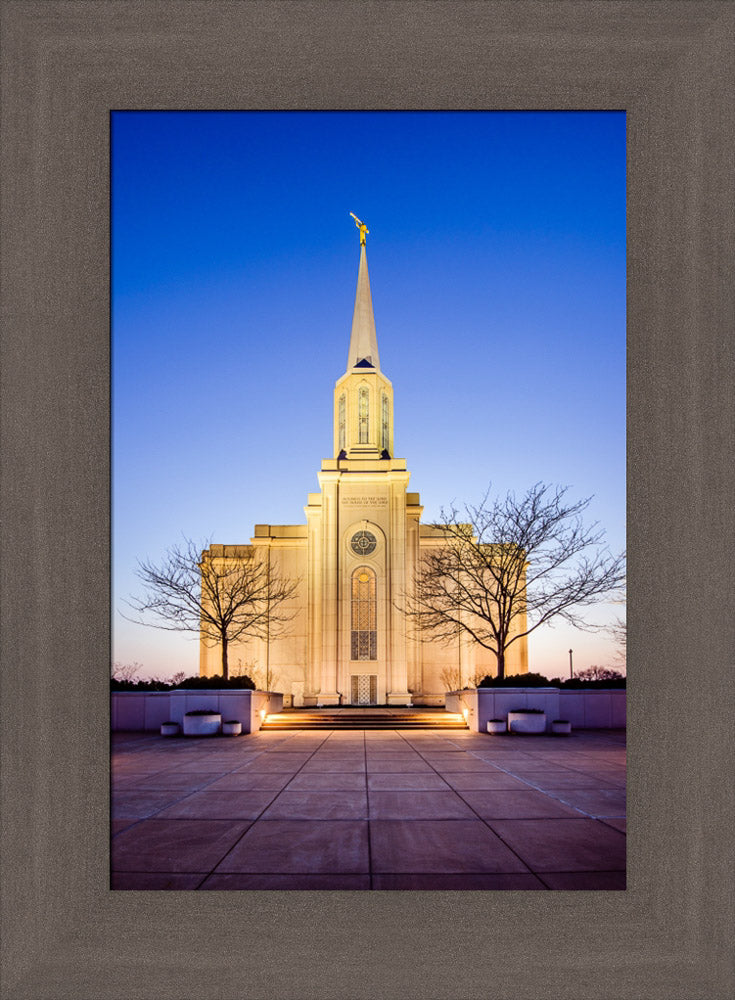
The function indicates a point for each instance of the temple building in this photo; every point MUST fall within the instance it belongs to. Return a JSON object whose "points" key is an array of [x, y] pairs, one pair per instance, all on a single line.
{"points": [[347, 642]]}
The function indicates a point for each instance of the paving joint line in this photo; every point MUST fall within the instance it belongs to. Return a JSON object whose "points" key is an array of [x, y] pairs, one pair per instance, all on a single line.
{"points": [[484, 821], [249, 822], [549, 795], [252, 822]]}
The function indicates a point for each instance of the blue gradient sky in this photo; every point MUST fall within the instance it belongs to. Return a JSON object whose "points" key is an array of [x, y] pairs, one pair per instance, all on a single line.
{"points": [[497, 267]]}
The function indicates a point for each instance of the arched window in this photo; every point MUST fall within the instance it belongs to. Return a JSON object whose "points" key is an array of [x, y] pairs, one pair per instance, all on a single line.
{"points": [[384, 437], [342, 422], [363, 414], [364, 615]]}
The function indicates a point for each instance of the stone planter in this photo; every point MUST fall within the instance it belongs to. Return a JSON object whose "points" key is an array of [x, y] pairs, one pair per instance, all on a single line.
{"points": [[526, 722], [496, 726], [202, 724], [562, 727], [170, 729], [232, 728]]}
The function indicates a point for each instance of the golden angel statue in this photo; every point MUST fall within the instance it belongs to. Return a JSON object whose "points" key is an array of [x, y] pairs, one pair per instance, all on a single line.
{"points": [[362, 227]]}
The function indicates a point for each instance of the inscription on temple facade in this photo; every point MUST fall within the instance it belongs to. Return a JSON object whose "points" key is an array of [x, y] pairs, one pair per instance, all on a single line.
{"points": [[364, 501]]}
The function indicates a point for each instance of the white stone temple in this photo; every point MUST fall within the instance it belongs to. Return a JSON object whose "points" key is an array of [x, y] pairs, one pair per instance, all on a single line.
{"points": [[358, 553]]}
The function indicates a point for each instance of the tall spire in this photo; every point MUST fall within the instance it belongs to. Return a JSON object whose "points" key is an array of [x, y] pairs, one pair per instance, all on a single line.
{"points": [[363, 351], [363, 396]]}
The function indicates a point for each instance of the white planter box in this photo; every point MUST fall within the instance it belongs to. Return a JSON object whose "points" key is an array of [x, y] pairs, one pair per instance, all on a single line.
{"points": [[231, 728], [170, 729], [202, 725], [526, 722], [561, 727], [496, 726]]}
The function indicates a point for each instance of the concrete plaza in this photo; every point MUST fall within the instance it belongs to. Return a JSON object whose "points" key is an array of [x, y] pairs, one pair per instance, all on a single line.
{"points": [[352, 809]]}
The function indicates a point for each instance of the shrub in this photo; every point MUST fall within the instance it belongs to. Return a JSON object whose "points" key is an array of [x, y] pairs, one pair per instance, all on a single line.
{"points": [[217, 681], [203, 711], [538, 680], [528, 711], [598, 674], [200, 683], [516, 680], [577, 682], [152, 685]]}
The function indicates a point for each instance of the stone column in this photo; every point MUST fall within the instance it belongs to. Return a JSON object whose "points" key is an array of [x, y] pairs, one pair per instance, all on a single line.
{"points": [[313, 599], [397, 693], [328, 694], [413, 647]]}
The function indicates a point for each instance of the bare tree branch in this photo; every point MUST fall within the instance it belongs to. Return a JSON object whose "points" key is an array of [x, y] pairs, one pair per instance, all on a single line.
{"points": [[507, 567], [125, 671], [618, 630], [223, 593]]}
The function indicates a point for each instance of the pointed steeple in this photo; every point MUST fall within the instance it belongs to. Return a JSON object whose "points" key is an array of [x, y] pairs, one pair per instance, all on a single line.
{"points": [[363, 352], [363, 396]]}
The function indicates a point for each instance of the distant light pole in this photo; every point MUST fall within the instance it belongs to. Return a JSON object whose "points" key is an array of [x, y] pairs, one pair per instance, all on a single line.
{"points": [[571, 666]]}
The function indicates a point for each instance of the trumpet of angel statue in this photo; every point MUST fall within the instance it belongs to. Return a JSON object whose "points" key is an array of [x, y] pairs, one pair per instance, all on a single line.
{"points": [[362, 227]]}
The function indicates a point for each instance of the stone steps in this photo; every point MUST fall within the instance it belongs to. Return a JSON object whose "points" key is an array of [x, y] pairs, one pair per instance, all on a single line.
{"points": [[362, 719]]}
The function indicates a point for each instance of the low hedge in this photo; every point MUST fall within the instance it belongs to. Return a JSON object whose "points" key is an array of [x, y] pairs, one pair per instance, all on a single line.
{"points": [[531, 680], [198, 683], [140, 686], [576, 683], [218, 681]]}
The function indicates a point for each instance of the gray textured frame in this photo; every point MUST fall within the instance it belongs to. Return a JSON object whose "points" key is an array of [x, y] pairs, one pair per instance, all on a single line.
{"points": [[64, 66]]}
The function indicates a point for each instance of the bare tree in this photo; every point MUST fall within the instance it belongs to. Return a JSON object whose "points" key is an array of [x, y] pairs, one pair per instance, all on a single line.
{"points": [[618, 631], [125, 671], [265, 678], [224, 593], [453, 680], [509, 567], [595, 673]]}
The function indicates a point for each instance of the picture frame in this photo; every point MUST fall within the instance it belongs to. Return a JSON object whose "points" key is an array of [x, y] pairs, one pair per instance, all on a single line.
{"points": [[66, 66]]}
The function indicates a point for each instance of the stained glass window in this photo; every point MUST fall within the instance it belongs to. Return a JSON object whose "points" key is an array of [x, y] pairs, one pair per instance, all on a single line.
{"points": [[363, 414], [364, 615], [363, 543], [384, 425]]}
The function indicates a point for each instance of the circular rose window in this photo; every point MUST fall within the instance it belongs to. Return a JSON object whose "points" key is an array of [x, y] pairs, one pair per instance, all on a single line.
{"points": [[363, 543]]}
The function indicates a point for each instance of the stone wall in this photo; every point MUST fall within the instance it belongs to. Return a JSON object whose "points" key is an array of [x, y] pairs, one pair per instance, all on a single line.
{"points": [[132, 711], [593, 709]]}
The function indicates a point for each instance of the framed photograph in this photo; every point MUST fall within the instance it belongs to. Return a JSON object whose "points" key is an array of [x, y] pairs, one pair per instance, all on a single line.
{"points": [[67, 67], [364, 649]]}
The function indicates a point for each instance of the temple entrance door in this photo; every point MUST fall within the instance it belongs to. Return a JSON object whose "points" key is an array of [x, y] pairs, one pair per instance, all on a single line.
{"points": [[364, 689]]}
